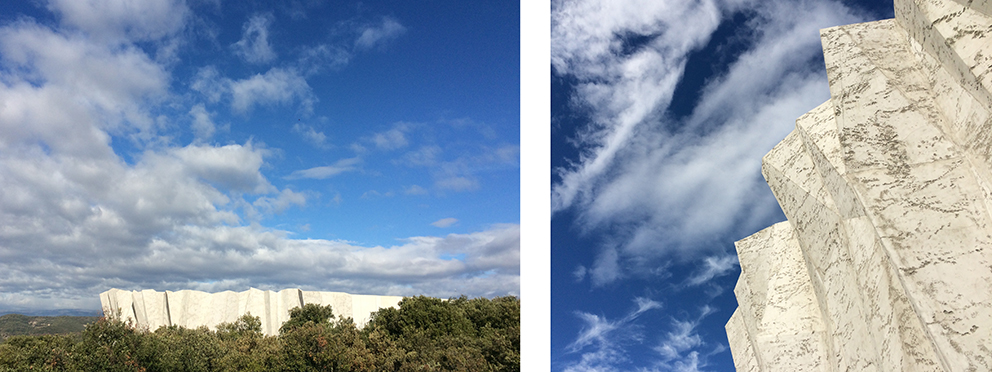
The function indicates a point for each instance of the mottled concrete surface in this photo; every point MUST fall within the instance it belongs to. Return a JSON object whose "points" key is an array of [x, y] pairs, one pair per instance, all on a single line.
{"points": [[192, 309], [885, 262]]}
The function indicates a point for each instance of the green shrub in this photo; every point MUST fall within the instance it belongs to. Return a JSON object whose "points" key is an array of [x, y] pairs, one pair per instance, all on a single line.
{"points": [[423, 334]]}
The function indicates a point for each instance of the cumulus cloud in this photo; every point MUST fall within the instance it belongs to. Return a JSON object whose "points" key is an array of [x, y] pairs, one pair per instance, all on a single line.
{"points": [[378, 35], [323, 56], [92, 85], [281, 202], [666, 179], [327, 171], [232, 167], [210, 84], [230, 257], [254, 44], [77, 217], [276, 86], [606, 268], [121, 20], [203, 125], [318, 139], [391, 139]]}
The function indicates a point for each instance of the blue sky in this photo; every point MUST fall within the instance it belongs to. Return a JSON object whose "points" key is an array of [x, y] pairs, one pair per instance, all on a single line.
{"points": [[661, 112], [365, 147]]}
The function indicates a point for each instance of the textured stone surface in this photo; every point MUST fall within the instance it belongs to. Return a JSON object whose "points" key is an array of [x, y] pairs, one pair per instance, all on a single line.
{"points": [[885, 262], [192, 309]]}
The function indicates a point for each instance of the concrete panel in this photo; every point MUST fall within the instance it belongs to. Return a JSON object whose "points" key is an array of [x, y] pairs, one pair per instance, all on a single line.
{"points": [[888, 191], [150, 309]]}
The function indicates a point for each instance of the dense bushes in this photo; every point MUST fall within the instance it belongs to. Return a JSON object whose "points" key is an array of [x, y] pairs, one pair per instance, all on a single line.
{"points": [[423, 334]]}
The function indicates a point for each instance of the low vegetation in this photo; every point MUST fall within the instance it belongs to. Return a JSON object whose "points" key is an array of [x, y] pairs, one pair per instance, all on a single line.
{"points": [[17, 324], [423, 334]]}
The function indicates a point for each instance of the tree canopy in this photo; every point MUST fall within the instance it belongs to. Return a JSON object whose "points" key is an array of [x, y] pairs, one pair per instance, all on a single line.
{"points": [[422, 334]]}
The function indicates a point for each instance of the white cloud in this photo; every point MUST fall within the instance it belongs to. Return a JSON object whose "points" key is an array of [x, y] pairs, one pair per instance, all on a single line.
{"points": [[444, 222], [323, 56], [327, 171], [678, 341], [607, 339], [603, 342], [606, 269], [209, 83], [62, 81], [378, 35], [232, 167], [77, 218], [414, 190], [318, 139], [281, 202], [456, 183], [713, 267], [679, 348], [425, 156], [276, 86], [117, 20], [222, 258], [675, 190], [509, 154], [458, 164], [376, 194], [203, 126], [391, 139], [254, 44], [579, 273]]}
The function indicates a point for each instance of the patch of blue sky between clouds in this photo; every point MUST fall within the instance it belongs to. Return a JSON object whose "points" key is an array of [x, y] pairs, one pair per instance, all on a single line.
{"points": [[365, 147]]}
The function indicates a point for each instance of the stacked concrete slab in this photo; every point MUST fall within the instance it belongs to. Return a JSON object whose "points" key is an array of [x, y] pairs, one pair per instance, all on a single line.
{"points": [[885, 262], [192, 309]]}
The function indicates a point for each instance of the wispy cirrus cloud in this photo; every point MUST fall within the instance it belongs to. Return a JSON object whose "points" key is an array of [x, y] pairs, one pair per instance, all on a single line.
{"points": [[679, 185], [713, 267], [327, 171], [602, 341]]}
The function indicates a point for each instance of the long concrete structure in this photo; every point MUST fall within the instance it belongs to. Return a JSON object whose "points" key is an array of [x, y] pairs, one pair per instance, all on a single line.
{"points": [[885, 262], [192, 309]]}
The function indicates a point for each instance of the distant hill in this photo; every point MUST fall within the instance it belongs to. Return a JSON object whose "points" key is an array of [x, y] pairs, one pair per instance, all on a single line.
{"points": [[17, 324], [55, 312]]}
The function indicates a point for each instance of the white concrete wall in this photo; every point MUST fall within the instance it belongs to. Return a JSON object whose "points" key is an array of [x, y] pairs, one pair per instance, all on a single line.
{"points": [[192, 309], [885, 262]]}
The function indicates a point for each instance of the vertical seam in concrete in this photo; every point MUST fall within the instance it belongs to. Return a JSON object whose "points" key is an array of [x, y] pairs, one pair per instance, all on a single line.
{"points": [[168, 311]]}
